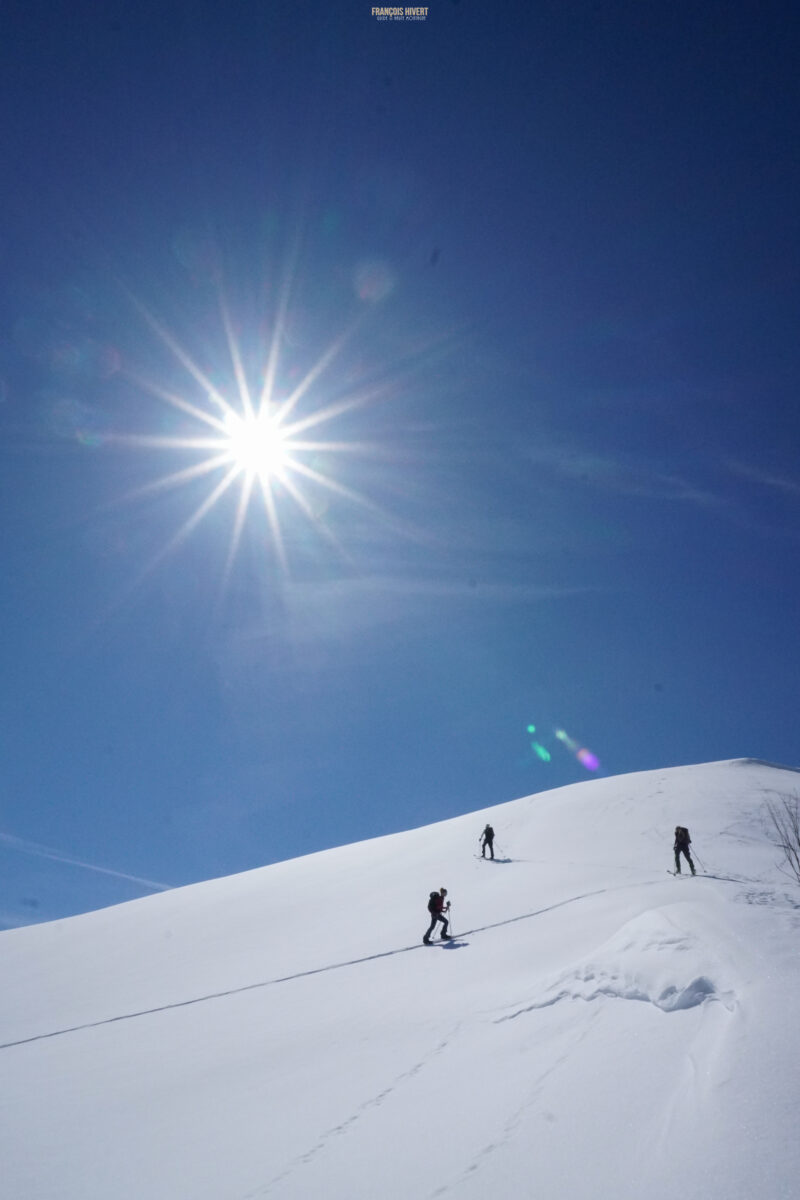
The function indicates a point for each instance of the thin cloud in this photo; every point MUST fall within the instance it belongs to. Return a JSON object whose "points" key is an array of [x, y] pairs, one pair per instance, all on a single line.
{"points": [[348, 605], [625, 477], [768, 479], [332, 610], [37, 851]]}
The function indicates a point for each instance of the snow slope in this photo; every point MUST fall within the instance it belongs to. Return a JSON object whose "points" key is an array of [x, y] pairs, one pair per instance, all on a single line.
{"points": [[597, 1029]]}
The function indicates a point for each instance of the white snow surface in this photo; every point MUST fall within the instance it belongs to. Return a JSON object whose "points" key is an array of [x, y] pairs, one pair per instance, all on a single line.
{"points": [[596, 1029]]}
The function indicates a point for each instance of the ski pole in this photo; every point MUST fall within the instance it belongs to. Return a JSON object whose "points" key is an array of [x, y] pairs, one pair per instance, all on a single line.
{"points": [[699, 861]]}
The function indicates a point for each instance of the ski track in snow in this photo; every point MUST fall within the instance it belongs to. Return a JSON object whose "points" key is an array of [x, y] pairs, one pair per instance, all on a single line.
{"points": [[249, 987], [347, 1124], [482, 1159], [699, 990]]}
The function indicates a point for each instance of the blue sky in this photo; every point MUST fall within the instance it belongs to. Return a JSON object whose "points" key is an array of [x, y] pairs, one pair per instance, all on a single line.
{"points": [[525, 285]]}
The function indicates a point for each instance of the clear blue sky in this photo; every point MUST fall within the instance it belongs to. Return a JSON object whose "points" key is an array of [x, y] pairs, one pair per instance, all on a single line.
{"points": [[524, 282]]}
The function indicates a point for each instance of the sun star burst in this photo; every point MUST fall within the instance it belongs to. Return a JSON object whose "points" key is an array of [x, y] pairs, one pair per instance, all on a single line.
{"points": [[255, 443]]}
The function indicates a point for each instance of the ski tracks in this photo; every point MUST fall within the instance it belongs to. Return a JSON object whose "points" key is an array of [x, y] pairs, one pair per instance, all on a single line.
{"points": [[264, 983], [336, 966], [529, 1106], [343, 1127]]}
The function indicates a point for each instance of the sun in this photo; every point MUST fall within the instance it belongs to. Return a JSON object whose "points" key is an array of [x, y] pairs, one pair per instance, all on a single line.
{"points": [[256, 445], [260, 445]]}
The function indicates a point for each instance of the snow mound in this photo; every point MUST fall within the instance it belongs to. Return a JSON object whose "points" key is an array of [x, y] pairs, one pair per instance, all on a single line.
{"points": [[650, 959]]}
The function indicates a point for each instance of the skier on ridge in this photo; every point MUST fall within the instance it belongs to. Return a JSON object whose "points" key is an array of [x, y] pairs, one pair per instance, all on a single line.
{"points": [[437, 907], [487, 839], [681, 847]]}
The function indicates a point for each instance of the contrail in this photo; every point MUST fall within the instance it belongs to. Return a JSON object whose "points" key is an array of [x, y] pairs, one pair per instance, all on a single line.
{"points": [[33, 848]]}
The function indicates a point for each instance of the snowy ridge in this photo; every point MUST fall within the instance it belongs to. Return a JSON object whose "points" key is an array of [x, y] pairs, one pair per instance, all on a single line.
{"points": [[761, 762], [284, 1033]]}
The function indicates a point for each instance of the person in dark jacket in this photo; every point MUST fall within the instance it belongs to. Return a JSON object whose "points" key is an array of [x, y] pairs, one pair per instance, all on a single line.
{"points": [[438, 905], [487, 840], [681, 847]]}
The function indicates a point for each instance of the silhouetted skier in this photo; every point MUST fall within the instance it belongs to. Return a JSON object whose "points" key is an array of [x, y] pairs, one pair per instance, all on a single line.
{"points": [[487, 839], [681, 847], [437, 907]]}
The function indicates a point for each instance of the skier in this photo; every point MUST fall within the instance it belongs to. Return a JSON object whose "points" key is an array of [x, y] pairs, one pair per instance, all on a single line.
{"points": [[437, 907], [487, 839], [681, 847]]}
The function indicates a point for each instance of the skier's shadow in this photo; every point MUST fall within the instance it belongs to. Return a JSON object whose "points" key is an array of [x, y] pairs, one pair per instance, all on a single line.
{"points": [[500, 861], [453, 944]]}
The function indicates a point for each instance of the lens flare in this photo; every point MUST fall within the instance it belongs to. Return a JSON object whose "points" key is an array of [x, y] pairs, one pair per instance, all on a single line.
{"points": [[373, 281], [586, 758], [589, 760]]}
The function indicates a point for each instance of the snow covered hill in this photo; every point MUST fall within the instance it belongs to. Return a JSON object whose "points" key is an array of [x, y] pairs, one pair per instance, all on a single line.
{"points": [[597, 1028]]}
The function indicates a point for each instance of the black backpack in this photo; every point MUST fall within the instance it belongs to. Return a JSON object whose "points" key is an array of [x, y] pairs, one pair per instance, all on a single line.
{"points": [[682, 835], [433, 902]]}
